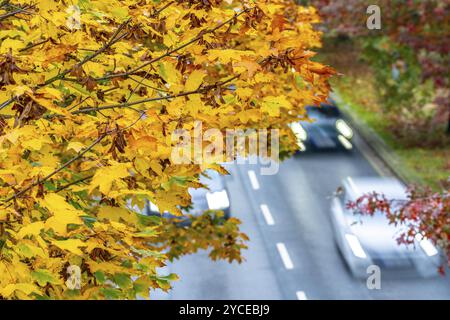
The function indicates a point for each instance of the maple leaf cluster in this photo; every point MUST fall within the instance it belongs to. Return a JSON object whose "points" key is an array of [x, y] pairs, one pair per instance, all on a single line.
{"points": [[90, 95]]}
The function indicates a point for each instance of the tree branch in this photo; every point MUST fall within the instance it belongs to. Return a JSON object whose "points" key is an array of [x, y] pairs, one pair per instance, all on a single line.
{"points": [[73, 183], [168, 53], [157, 12], [34, 45], [69, 162], [114, 39], [6, 103], [65, 165], [17, 11], [146, 85], [129, 104]]}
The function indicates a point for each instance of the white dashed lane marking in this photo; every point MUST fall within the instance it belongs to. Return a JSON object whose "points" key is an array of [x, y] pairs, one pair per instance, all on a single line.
{"points": [[253, 180], [267, 215], [285, 256]]}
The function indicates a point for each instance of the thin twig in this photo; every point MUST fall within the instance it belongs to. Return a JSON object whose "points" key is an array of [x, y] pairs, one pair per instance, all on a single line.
{"points": [[13, 13], [168, 53], [114, 39], [157, 12], [6, 103], [148, 86], [34, 45], [78, 104], [129, 104], [73, 183], [69, 162], [167, 97], [65, 165]]}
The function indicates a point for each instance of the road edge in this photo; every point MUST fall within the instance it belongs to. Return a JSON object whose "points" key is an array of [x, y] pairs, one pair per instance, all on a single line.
{"points": [[380, 149]]}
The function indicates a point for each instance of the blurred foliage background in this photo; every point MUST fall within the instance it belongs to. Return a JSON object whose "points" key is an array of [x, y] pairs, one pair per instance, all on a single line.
{"points": [[395, 79]]}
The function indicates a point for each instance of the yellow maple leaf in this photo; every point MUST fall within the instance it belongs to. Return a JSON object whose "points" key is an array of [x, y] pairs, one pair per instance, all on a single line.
{"points": [[9, 289], [272, 105], [195, 80], [104, 177], [116, 214], [33, 228], [71, 245], [76, 146], [62, 213]]}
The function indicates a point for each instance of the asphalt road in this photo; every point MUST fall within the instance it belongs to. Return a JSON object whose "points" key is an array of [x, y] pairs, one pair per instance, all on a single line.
{"points": [[292, 253]]}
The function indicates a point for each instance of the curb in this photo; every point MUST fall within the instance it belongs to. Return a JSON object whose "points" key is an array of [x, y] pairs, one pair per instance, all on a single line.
{"points": [[376, 143]]}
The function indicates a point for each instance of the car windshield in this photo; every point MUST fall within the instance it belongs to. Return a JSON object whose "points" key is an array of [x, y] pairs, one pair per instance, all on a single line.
{"points": [[324, 111]]}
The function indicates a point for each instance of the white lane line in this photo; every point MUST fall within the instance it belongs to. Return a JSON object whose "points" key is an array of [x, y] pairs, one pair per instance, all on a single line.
{"points": [[285, 256], [267, 215], [301, 295], [253, 179]]}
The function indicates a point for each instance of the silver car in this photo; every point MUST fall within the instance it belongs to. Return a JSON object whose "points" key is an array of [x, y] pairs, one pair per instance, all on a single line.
{"points": [[365, 240]]}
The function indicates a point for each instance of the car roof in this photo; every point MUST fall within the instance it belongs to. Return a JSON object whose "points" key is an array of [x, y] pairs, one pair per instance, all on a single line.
{"points": [[357, 187]]}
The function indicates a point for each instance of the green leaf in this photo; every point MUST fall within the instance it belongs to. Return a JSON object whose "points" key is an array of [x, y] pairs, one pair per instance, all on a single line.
{"points": [[299, 82], [180, 181], [148, 220], [123, 280], [100, 276], [49, 186], [169, 277], [148, 233], [127, 264], [43, 277], [111, 294], [140, 288], [89, 221]]}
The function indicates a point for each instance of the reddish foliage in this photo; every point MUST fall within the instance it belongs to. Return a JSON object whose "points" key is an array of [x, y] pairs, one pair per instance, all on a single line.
{"points": [[424, 213], [419, 25]]}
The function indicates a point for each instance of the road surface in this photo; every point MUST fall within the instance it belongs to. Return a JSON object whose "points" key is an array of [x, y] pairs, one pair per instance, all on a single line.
{"points": [[292, 254]]}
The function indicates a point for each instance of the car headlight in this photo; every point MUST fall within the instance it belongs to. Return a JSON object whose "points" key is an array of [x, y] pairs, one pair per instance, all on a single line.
{"points": [[299, 131], [217, 200], [355, 245], [428, 247], [344, 129], [301, 146], [345, 143], [153, 207]]}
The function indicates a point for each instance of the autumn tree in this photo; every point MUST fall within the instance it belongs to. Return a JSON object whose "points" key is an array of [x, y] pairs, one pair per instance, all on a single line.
{"points": [[90, 94]]}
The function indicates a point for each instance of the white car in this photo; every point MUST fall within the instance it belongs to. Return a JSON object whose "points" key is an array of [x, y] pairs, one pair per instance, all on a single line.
{"points": [[365, 241]]}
